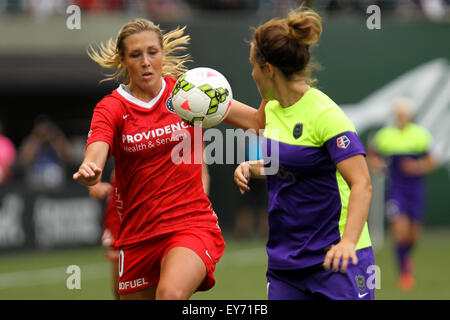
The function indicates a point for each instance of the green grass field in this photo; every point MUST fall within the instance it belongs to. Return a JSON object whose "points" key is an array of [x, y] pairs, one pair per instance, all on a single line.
{"points": [[239, 275]]}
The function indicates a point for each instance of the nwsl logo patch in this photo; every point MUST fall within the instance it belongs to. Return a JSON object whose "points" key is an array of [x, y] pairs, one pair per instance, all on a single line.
{"points": [[342, 142]]}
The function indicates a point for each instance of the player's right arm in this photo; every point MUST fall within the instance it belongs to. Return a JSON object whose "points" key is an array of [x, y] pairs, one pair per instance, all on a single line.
{"points": [[246, 117], [90, 171], [100, 143], [100, 190], [247, 170]]}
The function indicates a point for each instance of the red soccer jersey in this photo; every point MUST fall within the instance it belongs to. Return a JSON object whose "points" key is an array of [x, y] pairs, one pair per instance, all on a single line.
{"points": [[113, 212], [158, 196]]}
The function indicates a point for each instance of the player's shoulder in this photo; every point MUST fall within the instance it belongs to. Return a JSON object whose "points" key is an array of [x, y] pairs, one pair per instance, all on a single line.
{"points": [[113, 103], [325, 112], [418, 129], [420, 134], [170, 82], [320, 107]]}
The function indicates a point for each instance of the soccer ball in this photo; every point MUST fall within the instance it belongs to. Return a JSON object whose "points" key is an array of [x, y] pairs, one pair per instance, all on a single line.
{"points": [[202, 97]]}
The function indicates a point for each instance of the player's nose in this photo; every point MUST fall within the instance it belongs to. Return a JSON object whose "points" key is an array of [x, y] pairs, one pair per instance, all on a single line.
{"points": [[146, 60]]}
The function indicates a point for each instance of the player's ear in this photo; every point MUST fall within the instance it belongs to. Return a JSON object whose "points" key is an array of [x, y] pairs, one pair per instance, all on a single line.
{"points": [[122, 60], [270, 69]]}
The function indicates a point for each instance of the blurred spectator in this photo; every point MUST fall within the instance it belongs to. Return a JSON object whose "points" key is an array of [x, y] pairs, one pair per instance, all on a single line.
{"points": [[7, 156], [164, 9], [226, 4], [436, 10], [42, 9], [44, 154], [91, 5], [114, 5]]}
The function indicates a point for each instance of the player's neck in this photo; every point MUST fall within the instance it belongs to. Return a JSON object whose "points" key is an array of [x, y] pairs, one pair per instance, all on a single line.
{"points": [[289, 92], [144, 94]]}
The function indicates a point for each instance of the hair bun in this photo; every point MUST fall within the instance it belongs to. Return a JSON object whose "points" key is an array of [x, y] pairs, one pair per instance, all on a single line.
{"points": [[304, 25]]}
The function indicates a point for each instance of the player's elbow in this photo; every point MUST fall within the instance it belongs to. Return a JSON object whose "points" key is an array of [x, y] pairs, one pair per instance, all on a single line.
{"points": [[363, 185], [369, 188], [366, 186]]}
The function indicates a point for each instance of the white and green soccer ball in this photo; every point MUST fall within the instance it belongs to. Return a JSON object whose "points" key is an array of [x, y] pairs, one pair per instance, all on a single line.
{"points": [[202, 96]]}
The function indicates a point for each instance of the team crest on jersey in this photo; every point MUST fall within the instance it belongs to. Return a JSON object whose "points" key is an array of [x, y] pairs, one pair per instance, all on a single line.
{"points": [[343, 142], [169, 105], [298, 130]]}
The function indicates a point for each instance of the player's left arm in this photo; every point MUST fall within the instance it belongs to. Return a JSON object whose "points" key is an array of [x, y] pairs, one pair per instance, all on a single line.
{"points": [[356, 173], [246, 117]]}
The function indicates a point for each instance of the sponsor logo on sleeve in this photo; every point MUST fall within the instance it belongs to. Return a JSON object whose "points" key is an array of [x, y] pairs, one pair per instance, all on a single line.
{"points": [[343, 142]]}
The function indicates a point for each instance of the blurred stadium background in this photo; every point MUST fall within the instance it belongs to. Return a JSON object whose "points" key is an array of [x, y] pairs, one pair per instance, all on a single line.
{"points": [[48, 224]]}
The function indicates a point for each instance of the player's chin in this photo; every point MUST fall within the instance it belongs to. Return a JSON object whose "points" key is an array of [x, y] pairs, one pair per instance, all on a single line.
{"points": [[147, 81]]}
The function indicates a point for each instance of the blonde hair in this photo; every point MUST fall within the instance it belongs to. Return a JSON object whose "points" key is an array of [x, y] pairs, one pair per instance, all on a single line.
{"points": [[108, 55], [403, 105], [286, 42]]}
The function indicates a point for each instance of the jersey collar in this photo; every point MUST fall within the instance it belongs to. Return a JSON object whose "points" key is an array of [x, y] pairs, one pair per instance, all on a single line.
{"points": [[124, 92]]}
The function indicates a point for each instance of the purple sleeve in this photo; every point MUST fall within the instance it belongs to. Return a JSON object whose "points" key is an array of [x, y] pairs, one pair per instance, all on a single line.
{"points": [[344, 145]]}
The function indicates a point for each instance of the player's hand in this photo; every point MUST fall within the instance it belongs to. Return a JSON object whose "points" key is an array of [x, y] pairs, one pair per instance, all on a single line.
{"points": [[342, 251], [88, 174], [242, 177], [100, 190]]}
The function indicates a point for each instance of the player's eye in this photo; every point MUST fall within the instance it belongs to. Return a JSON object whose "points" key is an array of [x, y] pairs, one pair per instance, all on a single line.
{"points": [[135, 54]]}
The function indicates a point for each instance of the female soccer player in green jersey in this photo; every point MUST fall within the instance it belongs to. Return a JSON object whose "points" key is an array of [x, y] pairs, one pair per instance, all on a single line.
{"points": [[319, 199], [404, 150]]}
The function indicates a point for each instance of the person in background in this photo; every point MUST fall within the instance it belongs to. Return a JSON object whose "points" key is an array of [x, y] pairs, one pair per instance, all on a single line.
{"points": [[403, 150], [7, 156], [44, 155]]}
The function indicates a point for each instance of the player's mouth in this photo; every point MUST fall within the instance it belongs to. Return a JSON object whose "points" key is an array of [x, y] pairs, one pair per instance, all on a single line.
{"points": [[147, 75]]}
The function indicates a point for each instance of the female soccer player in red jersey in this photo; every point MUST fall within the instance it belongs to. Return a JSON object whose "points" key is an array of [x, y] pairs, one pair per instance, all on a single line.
{"points": [[169, 239]]}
